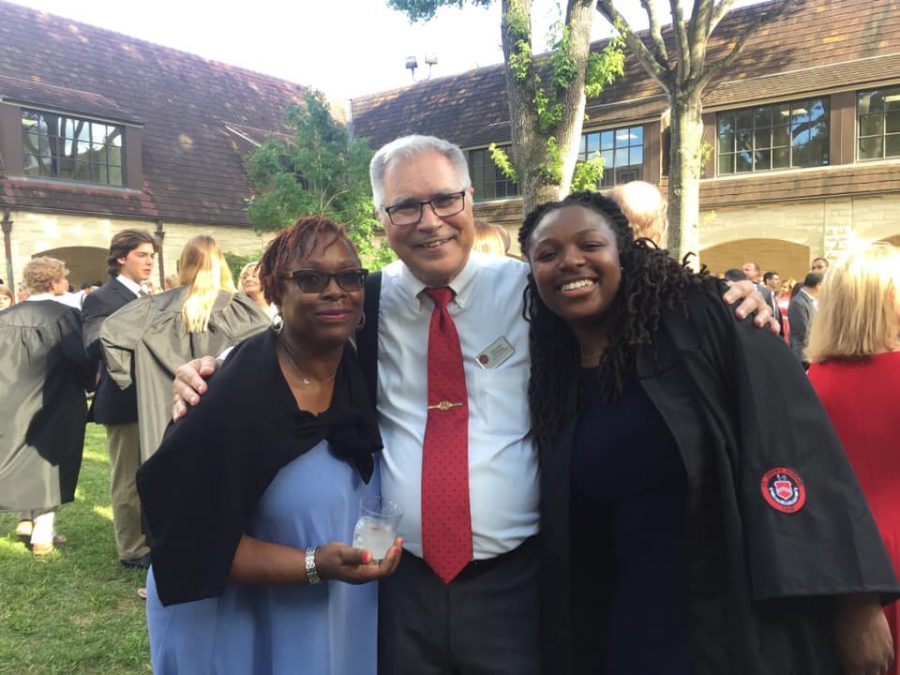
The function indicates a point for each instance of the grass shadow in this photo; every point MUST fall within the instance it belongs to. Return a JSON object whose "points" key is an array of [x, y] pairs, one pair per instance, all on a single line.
{"points": [[75, 610]]}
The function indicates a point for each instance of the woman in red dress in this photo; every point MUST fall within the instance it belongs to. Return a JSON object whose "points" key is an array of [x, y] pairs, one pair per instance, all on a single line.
{"points": [[854, 347]]}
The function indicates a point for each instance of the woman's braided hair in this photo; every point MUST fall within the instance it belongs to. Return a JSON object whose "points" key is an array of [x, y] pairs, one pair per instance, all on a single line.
{"points": [[651, 282]]}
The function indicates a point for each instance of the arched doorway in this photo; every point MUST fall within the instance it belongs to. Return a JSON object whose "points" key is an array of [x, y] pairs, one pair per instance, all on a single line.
{"points": [[785, 257], [85, 263]]}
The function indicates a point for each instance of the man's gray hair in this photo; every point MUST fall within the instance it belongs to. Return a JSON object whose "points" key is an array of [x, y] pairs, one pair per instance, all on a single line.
{"points": [[408, 147]]}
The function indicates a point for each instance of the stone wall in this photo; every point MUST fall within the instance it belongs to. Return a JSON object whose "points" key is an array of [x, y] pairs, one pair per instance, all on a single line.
{"points": [[83, 242], [774, 235]]}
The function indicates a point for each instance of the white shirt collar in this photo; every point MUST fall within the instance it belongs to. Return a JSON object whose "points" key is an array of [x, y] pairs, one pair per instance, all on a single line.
{"points": [[129, 283], [462, 284], [37, 297]]}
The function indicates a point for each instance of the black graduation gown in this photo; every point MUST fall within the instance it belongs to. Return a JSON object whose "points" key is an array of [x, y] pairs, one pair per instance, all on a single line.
{"points": [[147, 338], [776, 522], [44, 371]]}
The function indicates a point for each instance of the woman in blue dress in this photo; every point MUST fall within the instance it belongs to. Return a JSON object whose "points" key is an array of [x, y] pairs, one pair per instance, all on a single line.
{"points": [[252, 498]]}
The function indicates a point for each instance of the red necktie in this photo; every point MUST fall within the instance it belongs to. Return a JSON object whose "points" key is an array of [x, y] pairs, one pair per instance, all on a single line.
{"points": [[446, 521]]}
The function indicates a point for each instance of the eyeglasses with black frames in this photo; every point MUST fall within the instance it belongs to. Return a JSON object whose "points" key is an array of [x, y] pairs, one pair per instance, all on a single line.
{"points": [[409, 212], [316, 281]]}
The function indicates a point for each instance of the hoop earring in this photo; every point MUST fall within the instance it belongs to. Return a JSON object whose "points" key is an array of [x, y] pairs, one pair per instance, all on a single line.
{"points": [[277, 324], [362, 322]]}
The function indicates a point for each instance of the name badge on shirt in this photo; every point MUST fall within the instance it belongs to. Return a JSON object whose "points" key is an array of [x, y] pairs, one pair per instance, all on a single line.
{"points": [[495, 354]]}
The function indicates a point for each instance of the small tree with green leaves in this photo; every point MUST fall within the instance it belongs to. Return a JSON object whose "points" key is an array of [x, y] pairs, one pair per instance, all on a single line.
{"points": [[546, 95], [319, 171]]}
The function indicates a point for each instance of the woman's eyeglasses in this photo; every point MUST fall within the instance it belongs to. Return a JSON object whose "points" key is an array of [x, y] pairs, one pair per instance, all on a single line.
{"points": [[314, 281]]}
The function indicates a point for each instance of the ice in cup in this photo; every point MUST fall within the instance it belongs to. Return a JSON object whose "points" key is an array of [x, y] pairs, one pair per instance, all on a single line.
{"points": [[377, 526]]}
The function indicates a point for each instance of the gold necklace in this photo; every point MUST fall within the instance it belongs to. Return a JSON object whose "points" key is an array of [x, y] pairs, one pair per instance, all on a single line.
{"points": [[591, 359], [304, 379]]}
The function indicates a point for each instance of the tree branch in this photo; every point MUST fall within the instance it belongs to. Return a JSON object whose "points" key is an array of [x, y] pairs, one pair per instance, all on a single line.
{"points": [[718, 14], [660, 71], [698, 32], [657, 44], [716, 68], [682, 42]]}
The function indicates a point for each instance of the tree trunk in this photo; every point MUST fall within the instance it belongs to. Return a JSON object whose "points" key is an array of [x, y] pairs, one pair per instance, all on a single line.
{"points": [[684, 176], [529, 145], [580, 18]]}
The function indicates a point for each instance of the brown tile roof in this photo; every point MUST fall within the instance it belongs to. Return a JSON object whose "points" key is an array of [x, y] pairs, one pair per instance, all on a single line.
{"points": [[192, 168], [27, 92], [849, 74], [67, 197], [814, 45], [469, 108]]}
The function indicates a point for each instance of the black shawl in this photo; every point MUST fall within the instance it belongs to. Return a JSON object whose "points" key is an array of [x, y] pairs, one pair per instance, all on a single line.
{"points": [[201, 488]]}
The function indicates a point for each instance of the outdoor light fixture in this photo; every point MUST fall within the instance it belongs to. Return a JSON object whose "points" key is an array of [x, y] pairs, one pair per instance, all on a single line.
{"points": [[411, 65], [431, 59]]}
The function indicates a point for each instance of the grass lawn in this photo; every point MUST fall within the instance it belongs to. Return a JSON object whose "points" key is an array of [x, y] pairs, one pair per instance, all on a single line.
{"points": [[75, 610]]}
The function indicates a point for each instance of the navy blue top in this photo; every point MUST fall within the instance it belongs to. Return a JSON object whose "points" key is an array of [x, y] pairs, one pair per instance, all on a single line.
{"points": [[628, 489]]}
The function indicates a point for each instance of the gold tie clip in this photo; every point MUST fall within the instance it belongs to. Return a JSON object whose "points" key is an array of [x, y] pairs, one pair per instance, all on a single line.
{"points": [[444, 405]]}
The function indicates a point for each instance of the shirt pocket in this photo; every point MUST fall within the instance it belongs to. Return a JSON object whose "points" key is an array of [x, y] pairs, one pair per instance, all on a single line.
{"points": [[500, 401]]}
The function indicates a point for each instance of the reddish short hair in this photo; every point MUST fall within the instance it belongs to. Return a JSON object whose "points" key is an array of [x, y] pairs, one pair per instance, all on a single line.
{"points": [[298, 240]]}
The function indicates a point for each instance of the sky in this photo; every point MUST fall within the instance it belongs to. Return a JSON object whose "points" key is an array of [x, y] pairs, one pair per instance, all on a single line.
{"points": [[345, 48]]}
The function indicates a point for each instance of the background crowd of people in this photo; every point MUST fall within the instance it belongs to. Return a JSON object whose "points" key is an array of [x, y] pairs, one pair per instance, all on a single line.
{"points": [[121, 342], [590, 447]]}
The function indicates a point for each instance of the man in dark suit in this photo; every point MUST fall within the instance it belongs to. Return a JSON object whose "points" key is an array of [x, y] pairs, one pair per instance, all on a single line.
{"points": [[800, 313], [131, 256]]}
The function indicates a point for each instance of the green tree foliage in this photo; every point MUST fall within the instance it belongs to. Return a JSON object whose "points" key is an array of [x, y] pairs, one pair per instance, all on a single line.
{"points": [[318, 171], [236, 262], [424, 10], [588, 174], [546, 93]]}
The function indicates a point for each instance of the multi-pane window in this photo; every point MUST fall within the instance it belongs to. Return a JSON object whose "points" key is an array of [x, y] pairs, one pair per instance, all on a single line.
{"points": [[622, 151], [879, 123], [488, 181], [780, 136], [70, 148]]}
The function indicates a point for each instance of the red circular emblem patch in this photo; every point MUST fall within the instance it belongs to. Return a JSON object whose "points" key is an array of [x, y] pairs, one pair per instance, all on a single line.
{"points": [[783, 489]]}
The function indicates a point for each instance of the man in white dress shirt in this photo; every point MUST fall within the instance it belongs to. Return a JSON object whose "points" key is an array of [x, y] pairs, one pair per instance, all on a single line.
{"points": [[485, 620]]}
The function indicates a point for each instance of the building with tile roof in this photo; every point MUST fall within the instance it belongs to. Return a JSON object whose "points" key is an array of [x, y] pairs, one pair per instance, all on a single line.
{"points": [[803, 133], [99, 132]]}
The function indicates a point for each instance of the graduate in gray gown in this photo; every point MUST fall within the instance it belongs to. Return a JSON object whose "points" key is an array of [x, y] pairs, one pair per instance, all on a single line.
{"points": [[44, 372], [149, 338]]}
